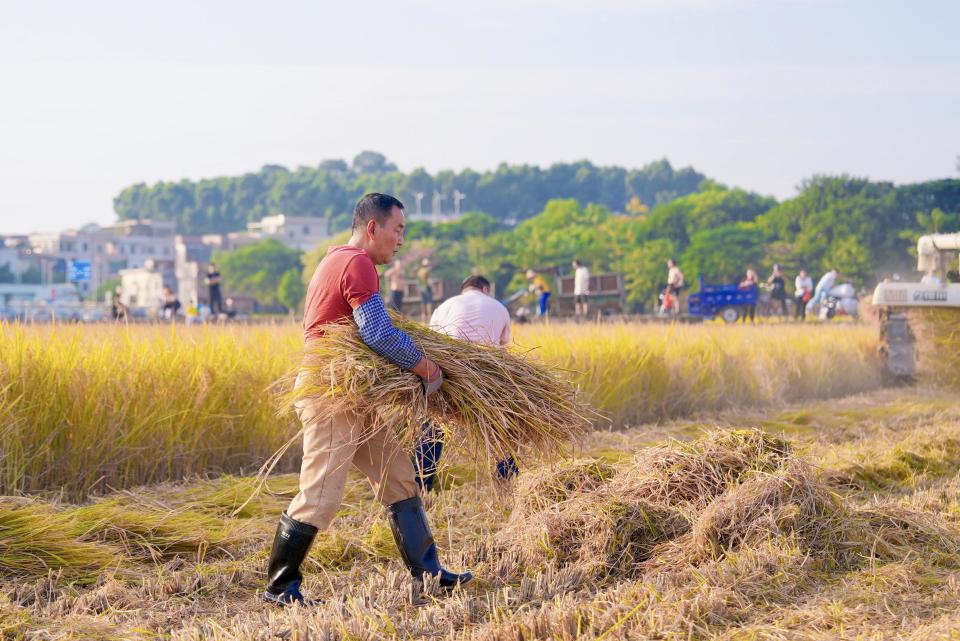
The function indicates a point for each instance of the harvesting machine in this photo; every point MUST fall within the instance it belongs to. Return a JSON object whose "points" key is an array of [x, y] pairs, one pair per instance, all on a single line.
{"points": [[939, 288]]}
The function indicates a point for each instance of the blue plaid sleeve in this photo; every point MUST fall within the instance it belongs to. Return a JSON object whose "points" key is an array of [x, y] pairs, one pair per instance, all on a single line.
{"points": [[379, 333]]}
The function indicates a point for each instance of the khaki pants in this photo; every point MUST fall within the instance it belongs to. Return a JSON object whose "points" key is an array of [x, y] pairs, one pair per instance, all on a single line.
{"points": [[329, 449]]}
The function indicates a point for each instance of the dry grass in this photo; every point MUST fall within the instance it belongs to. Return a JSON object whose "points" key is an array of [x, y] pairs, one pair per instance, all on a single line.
{"points": [[730, 534]]}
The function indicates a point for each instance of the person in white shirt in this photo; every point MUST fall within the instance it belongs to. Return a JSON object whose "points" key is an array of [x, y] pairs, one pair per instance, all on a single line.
{"points": [[475, 316], [581, 288]]}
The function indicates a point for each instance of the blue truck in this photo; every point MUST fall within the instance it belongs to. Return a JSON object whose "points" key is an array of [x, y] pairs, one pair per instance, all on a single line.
{"points": [[725, 301]]}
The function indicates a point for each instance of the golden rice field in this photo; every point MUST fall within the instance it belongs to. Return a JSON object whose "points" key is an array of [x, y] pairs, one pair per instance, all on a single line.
{"points": [[751, 483], [84, 409]]}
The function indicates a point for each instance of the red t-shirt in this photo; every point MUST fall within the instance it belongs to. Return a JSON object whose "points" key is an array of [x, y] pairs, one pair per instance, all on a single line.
{"points": [[344, 280]]}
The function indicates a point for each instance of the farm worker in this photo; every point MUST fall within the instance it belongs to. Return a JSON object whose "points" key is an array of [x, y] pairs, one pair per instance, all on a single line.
{"points": [[426, 291], [170, 304], [581, 287], [212, 280], [395, 283], [779, 291], [538, 285], [827, 281], [344, 288], [667, 299], [803, 286], [674, 284], [474, 316], [750, 281]]}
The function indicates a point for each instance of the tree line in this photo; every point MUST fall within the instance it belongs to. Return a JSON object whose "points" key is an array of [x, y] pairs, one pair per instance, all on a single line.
{"points": [[629, 221], [224, 204]]}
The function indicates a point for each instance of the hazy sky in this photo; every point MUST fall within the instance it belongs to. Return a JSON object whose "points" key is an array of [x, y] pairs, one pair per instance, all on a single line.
{"points": [[97, 95]]}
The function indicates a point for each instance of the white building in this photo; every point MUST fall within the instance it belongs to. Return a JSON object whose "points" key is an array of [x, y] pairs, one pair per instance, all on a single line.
{"points": [[301, 232], [143, 286], [124, 245], [10, 258]]}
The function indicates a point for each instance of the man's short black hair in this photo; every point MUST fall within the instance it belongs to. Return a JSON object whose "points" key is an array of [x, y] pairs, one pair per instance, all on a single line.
{"points": [[476, 282], [374, 206]]}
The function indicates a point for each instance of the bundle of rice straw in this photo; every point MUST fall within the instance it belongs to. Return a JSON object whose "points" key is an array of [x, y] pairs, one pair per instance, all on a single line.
{"points": [[493, 403]]}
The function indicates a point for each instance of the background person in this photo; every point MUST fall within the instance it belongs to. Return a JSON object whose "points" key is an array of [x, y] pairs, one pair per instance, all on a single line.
{"points": [[426, 291], [803, 292], [581, 288], [750, 281], [118, 311], [540, 287], [212, 281], [674, 285], [474, 316], [779, 291], [171, 304], [395, 285], [346, 288]]}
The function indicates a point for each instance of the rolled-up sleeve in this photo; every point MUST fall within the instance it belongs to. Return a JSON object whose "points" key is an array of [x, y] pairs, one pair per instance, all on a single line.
{"points": [[380, 334]]}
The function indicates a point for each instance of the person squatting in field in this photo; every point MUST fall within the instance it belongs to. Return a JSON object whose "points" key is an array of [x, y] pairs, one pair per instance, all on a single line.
{"points": [[472, 316], [345, 287]]}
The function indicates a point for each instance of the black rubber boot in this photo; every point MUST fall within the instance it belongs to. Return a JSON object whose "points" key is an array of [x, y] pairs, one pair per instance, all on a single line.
{"points": [[408, 520], [290, 547]]}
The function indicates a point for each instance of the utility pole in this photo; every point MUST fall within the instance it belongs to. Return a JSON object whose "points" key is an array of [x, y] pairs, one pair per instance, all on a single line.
{"points": [[457, 197], [437, 199]]}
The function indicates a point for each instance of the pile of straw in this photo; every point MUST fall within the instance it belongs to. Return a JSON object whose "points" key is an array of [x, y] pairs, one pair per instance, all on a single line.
{"points": [[493, 403], [688, 504]]}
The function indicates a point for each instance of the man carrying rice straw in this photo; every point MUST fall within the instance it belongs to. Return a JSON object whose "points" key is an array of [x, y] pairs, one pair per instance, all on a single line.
{"points": [[346, 286]]}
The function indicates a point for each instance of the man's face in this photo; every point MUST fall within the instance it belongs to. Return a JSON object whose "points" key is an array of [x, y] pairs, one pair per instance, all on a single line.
{"points": [[386, 239]]}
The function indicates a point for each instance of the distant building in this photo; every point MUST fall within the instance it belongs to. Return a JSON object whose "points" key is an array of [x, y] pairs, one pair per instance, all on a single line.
{"points": [[147, 255], [300, 232], [13, 293], [124, 245], [434, 219], [143, 286], [193, 253]]}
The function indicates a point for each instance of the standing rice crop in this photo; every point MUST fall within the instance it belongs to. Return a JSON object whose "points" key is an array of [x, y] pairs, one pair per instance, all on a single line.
{"points": [[637, 373], [84, 409], [87, 408]]}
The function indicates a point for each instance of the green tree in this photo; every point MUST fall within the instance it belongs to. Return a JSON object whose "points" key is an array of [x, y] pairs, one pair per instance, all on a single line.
{"points": [[291, 290], [256, 270], [723, 254], [644, 269]]}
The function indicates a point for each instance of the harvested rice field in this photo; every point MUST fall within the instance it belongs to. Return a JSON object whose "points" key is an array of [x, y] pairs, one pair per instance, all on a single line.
{"points": [[775, 508]]}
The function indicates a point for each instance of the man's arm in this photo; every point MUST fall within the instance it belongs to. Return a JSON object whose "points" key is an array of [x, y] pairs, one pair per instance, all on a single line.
{"points": [[380, 334]]}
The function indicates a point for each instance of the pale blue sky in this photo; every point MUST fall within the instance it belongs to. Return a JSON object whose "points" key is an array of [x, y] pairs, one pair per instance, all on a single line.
{"points": [[97, 95]]}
